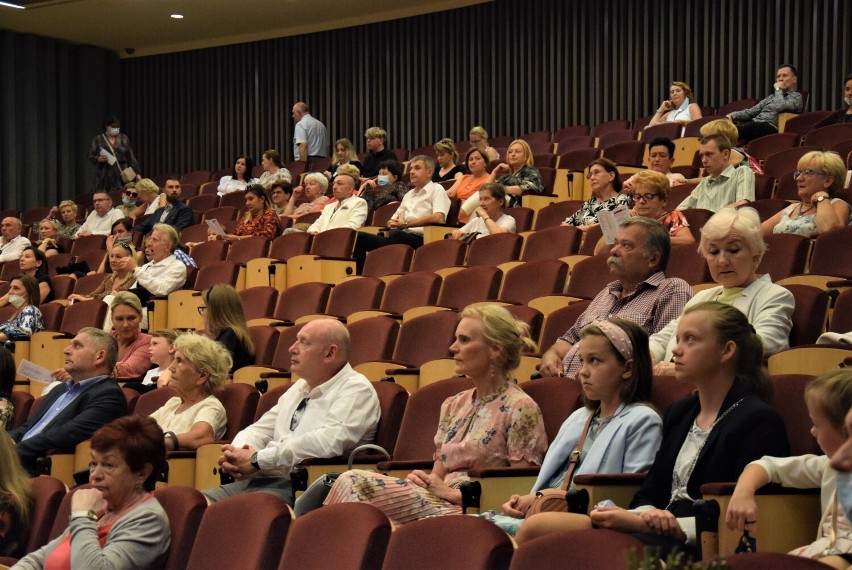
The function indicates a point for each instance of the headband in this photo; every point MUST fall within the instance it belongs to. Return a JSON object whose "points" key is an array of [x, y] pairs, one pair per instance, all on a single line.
{"points": [[617, 337]]}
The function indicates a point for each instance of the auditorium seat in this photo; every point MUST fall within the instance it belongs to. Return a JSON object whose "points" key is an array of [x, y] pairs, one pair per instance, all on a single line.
{"points": [[551, 243], [23, 403], [610, 138], [383, 214], [533, 279], [573, 142], [184, 508], [670, 131], [84, 244], [470, 285], [785, 161], [841, 316], [223, 214], [203, 203], [809, 315], [737, 105], [591, 237], [685, 262], [208, 252], [265, 340], [272, 270], [47, 495], [258, 301], [765, 146], [413, 289], [295, 302], [236, 199], [614, 125], [88, 283], [826, 137], [831, 259], [578, 550], [693, 128], [492, 250], [557, 323], [372, 339], [523, 218], [438, 255], [388, 260], [625, 153], [571, 131], [556, 213], [786, 255]]}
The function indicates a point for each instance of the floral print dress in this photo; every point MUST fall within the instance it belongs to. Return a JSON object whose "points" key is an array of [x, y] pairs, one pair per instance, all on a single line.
{"points": [[492, 431], [587, 215]]}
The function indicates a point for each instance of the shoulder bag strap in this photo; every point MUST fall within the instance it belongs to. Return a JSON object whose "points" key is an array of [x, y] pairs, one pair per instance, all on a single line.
{"points": [[575, 455]]}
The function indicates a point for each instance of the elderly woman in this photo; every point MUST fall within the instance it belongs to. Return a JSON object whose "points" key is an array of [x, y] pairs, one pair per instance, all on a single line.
{"points": [[446, 167], [239, 178], [111, 154], [605, 182], [517, 174], [48, 236], [493, 424], [478, 138], [134, 358], [650, 194], [149, 193], [66, 212], [732, 244], [122, 261], [195, 416], [273, 170], [680, 107], [819, 176], [24, 296], [279, 197], [260, 219], [117, 523], [225, 321], [314, 192], [344, 153], [489, 217], [387, 187]]}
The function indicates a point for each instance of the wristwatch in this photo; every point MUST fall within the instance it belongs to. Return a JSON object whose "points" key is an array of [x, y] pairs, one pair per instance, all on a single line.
{"points": [[254, 461], [84, 514], [820, 199]]}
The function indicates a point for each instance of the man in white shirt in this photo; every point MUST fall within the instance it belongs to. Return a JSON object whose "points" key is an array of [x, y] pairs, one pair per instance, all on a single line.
{"points": [[164, 273], [310, 137], [349, 211], [724, 185], [426, 204], [660, 159], [101, 219], [329, 410], [12, 243]]}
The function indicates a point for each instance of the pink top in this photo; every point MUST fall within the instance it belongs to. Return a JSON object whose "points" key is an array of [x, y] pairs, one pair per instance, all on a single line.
{"points": [[136, 360]]}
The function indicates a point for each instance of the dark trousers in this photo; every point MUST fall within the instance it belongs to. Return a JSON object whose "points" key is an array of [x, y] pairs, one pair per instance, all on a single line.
{"points": [[750, 130], [368, 242]]}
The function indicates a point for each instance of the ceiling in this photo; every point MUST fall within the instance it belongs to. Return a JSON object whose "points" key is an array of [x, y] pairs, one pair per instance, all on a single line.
{"points": [[134, 28]]}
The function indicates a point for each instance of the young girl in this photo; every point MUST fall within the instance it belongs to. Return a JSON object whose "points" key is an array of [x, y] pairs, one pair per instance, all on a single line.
{"points": [[623, 434], [15, 499], [708, 437], [828, 398]]}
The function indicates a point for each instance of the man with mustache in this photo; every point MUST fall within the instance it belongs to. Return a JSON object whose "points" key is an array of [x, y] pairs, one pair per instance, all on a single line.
{"points": [[640, 293]]}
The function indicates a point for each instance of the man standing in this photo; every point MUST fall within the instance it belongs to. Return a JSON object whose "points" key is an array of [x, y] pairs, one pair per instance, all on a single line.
{"points": [[640, 293], [349, 211], [426, 204], [329, 410], [724, 185], [660, 159], [310, 137], [100, 220], [12, 243], [376, 138], [165, 272], [171, 211], [74, 410], [762, 119]]}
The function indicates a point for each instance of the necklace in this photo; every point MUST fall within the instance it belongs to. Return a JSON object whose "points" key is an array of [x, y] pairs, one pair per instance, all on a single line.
{"points": [[803, 210]]}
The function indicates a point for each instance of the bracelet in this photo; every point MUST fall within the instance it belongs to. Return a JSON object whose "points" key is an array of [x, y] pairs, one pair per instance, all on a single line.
{"points": [[172, 435]]}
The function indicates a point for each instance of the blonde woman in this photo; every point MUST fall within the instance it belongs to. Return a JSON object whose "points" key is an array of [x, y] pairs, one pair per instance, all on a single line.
{"points": [[680, 107], [478, 138], [149, 193], [66, 212], [15, 499], [225, 321], [448, 157], [517, 174], [344, 153], [134, 358], [48, 234]]}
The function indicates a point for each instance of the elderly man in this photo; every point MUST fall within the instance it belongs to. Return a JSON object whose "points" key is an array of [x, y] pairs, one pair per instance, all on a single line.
{"points": [[640, 293], [330, 410], [660, 158], [101, 219], [74, 410], [724, 185], [310, 137], [349, 211], [762, 119], [165, 272], [12, 243], [376, 138], [427, 203], [171, 211]]}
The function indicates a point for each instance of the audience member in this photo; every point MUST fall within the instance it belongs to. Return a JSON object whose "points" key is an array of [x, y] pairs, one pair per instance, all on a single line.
{"points": [[33, 262], [739, 157], [709, 436], [467, 187], [344, 153], [260, 220], [447, 162], [640, 293], [66, 212], [48, 237], [111, 154], [820, 175], [171, 211], [616, 430], [26, 320], [164, 272], [162, 352], [494, 424], [478, 138], [328, 411], [310, 137], [518, 175], [427, 203], [843, 115], [489, 218], [239, 178], [841, 462], [732, 244], [7, 408], [122, 261], [313, 190], [100, 220], [273, 170], [828, 398], [376, 138], [660, 159], [605, 182], [762, 119], [724, 185], [387, 187], [194, 417], [349, 211], [149, 194], [279, 196], [15, 495], [225, 321], [12, 243], [129, 197], [84, 401], [117, 523], [680, 107], [134, 356]]}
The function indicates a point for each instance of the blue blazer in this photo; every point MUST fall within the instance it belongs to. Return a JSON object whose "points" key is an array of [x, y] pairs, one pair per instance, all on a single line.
{"points": [[181, 217], [627, 444]]}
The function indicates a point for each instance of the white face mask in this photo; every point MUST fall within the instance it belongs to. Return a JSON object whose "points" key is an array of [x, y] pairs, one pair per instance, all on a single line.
{"points": [[129, 201], [17, 301], [383, 180], [848, 101], [114, 131]]}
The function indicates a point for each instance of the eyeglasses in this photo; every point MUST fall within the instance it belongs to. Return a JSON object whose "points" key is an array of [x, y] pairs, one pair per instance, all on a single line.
{"points": [[810, 172], [202, 310], [298, 413], [131, 194], [595, 173], [644, 197]]}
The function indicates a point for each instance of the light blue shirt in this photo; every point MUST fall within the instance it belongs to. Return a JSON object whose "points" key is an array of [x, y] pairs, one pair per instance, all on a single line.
{"points": [[311, 131], [73, 390]]}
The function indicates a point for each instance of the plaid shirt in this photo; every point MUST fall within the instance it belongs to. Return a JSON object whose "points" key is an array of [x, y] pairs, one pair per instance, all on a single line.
{"points": [[655, 302]]}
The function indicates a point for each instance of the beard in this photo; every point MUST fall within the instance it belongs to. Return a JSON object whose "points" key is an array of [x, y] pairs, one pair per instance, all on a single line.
{"points": [[172, 198]]}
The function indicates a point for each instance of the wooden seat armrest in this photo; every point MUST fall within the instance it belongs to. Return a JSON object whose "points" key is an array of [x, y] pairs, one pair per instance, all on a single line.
{"points": [[488, 472], [609, 479], [840, 283], [279, 374], [407, 371], [324, 461]]}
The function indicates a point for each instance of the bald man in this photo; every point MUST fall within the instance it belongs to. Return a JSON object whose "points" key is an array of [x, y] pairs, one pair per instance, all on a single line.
{"points": [[12, 243], [330, 410], [349, 211], [310, 137]]}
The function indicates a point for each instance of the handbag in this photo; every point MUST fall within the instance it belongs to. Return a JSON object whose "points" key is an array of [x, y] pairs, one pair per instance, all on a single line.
{"points": [[554, 500], [127, 174]]}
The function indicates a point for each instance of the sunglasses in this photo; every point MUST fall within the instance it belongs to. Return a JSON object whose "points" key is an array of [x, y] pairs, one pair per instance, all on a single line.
{"points": [[131, 194]]}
